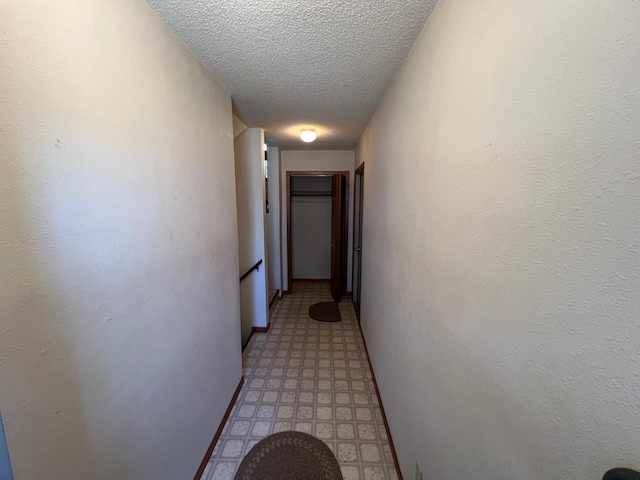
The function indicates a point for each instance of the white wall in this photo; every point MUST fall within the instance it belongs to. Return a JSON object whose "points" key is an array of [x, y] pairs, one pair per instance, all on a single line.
{"points": [[311, 237], [250, 193], [119, 303], [315, 160], [273, 221], [238, 127], [502, 219]]}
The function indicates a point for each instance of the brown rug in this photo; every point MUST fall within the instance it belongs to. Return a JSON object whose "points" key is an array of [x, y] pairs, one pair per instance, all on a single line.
{"points": [[325, 312], [289, 456]]}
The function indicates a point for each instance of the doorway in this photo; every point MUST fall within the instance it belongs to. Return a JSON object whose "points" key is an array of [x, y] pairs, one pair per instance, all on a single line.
{"points": [[358, 186], [317, 228]]}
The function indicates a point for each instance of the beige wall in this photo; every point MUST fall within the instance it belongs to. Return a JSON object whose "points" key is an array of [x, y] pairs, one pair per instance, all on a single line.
{"points": [[311, 229], [250, 193], [273, 221], [315, 160], [119, 303], [502, 217], [311, 237], [238, 127]]}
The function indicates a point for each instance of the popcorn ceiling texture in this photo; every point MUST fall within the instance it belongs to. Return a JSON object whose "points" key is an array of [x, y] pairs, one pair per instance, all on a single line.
{"points": [[295, 63]]}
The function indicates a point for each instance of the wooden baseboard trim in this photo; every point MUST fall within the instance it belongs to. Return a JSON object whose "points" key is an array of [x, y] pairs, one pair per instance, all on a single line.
{"points": [[384, 415], [261, 329], [207, 455]]}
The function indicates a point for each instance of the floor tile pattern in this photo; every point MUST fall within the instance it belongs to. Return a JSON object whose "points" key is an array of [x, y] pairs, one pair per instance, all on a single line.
{"points": [[311, 377]]}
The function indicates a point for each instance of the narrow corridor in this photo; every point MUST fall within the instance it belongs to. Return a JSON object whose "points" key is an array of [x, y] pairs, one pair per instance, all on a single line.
{"points": [[311, 377]]}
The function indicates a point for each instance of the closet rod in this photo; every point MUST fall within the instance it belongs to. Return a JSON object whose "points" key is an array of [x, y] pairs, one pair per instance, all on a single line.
{"points": [[311, 194]]}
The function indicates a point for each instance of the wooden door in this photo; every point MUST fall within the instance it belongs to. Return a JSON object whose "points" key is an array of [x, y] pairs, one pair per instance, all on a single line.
{"points": [[336, 237], [357, 239]]}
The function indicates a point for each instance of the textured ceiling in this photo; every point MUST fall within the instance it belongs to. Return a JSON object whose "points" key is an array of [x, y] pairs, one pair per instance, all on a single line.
{"points": [[295, 63]]}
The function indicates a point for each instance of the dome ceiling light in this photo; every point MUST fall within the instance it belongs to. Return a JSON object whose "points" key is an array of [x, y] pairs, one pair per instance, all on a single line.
{"points": [[308, 135]]}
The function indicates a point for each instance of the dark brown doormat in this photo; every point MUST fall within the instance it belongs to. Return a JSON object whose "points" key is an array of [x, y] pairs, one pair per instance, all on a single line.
{"points": [[289, 456], [325, 312]]}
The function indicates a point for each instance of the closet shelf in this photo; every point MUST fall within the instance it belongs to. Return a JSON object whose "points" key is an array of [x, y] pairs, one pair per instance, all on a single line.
{"points": [[310, 193]]}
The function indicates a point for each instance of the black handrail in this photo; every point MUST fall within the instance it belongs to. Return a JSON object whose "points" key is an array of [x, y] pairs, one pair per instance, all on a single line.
{"points": [[621, 474], [255, 267]]}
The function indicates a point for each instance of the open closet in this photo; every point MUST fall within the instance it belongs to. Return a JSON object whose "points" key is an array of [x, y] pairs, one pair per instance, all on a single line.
{"points": [[317, 228]]}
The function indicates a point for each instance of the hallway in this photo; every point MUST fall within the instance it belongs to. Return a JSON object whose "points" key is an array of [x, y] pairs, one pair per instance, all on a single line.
{"points": [[312, 377], [147, 149]]}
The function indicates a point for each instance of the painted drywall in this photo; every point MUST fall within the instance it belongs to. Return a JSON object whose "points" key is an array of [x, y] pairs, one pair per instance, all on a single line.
{"points": [[273, 220], [119, 297], [502, 219], [311, 237], [238, 127], [311, 229], [315, 160], [250, 193]]}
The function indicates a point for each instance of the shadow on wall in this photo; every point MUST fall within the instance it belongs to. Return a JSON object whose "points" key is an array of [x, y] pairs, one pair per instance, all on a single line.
{"points": [[40, 394]]}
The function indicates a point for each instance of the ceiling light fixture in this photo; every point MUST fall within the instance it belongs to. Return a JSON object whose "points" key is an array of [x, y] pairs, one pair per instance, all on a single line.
{"points": [[308, 135]]}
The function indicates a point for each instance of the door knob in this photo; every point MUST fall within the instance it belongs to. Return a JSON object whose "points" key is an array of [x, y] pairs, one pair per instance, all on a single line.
{"points": [[357, 249]]}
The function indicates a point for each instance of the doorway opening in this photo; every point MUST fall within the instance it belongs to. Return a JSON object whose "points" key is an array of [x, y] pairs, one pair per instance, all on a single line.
{"points": [[317, 228]]}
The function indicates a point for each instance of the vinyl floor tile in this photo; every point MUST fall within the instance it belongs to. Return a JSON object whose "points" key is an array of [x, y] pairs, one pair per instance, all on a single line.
{"points": [[311, 377]]}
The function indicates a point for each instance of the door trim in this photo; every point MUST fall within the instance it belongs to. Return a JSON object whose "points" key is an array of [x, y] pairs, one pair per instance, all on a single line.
{"points": [[357, 171], [313, 173]]}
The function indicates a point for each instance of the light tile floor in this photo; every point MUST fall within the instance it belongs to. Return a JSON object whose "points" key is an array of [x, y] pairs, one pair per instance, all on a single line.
{"points": [[311, 377]]}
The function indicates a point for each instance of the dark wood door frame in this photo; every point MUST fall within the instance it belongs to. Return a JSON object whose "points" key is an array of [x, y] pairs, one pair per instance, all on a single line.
{"points": [[358, 171], [345, 243], [337, 236]]}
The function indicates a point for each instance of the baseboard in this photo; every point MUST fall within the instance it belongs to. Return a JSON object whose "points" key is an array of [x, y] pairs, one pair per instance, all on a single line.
{"points": [[384, 415], [323, 280], [255, 330], [207, 456], [261, 329], [275, 297]]}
